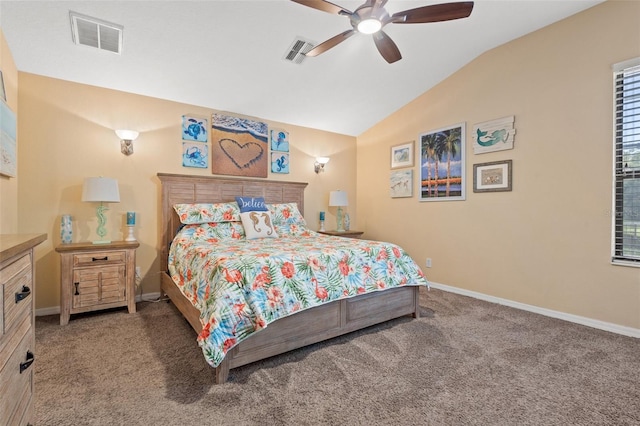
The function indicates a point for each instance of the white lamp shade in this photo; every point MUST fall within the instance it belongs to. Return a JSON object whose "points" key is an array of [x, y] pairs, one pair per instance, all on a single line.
{"points": [[322, 160], [127, 135], [338, 198], [100, 189]]}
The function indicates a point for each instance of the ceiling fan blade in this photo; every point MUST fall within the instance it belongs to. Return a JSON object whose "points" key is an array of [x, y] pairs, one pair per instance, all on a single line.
{"points": [[433, 13], [324, 6], [332, 42], [387, 47]]}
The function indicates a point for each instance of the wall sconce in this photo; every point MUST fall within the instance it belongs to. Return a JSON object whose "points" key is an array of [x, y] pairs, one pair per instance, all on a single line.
{"points": [[126, 140], [318, 166]]}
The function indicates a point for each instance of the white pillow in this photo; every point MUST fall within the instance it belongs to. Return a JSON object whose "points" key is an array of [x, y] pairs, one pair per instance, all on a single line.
{"points": [[258, 224]]}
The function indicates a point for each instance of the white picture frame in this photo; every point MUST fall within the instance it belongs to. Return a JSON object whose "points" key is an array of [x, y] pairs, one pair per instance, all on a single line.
{"points": [[402, 155]]}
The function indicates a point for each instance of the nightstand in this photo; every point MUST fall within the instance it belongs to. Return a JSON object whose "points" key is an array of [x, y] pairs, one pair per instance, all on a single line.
{"points": [[347, 234], [96, 276]]}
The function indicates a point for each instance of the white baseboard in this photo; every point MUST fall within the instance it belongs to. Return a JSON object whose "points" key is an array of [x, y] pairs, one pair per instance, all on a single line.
{"points": [[54, 310], [601, 325]]}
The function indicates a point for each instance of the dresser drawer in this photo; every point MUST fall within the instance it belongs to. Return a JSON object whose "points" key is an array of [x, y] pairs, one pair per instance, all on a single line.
{"points": [[98, 258], [16, 386], [93, 286], [17, 286]]}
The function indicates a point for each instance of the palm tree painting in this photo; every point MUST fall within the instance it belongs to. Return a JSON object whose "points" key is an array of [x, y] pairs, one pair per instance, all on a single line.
{"points": [[442, 166]]}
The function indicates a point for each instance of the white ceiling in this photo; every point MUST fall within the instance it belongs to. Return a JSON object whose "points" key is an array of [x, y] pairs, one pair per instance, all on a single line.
{"points": [[228, 55]]}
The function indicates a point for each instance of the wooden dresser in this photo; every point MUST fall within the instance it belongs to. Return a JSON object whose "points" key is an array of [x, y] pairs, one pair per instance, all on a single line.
{"points": [[17, 336]]}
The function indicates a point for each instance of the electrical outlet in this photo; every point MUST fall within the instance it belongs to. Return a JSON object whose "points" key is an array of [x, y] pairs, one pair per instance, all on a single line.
{"points": [[428, 262]]}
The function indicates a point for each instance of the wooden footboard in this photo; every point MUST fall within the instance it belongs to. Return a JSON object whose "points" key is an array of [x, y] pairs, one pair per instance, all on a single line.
{"points": [[306, 327]]}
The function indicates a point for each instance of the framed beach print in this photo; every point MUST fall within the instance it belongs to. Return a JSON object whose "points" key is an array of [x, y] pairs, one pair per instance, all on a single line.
{"points": [[402, 155], [401, 183], [239, 146], [492, 177], [442, 164]]}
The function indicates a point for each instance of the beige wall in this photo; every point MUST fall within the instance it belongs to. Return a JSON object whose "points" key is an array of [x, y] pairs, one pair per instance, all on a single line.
{"points": [[67, 134], [546, 243], [9, 186]]}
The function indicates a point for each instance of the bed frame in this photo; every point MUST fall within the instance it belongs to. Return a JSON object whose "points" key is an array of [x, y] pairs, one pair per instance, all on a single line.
{"points": [[301, 329]]}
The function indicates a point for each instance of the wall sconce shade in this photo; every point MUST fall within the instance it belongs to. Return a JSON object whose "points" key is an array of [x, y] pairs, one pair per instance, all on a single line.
{"points": [[318, 166], [338, 199], [126, 140], [101, 190]]}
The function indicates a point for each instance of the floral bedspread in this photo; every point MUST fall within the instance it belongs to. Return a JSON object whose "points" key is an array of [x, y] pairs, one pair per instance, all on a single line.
{"points": [[241, 285]]}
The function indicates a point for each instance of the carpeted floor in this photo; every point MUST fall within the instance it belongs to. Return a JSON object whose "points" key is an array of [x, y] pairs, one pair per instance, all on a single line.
{"points": [[465, 362]]}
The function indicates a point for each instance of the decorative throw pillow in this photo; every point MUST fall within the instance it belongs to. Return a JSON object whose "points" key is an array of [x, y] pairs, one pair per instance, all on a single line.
{"points": [[257, 224], [207, 213], [251, 204]]}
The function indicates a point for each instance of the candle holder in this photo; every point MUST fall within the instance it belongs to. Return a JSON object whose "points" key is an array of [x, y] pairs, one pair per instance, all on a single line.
{"points": [[130, 236]]}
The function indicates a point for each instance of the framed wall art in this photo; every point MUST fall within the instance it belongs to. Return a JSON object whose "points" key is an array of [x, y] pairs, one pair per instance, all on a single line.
{"points": [[8, 144], [279, 140], [194, 129], [3, 93], [495, 135], [239, 146], [401, 183], [495, 176], [195, 155], [402, 155], [279, 162], [442, 164]]}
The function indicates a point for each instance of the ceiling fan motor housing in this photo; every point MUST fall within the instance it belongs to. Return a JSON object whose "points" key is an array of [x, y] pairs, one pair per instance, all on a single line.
{"points": [[365, 13]]}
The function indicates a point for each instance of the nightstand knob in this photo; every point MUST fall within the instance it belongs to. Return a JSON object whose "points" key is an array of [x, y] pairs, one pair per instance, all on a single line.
{"points": [[26, 291], [77, 292]]}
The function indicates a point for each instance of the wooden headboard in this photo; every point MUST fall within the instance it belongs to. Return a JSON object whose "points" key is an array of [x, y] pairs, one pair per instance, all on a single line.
{"points": [[209, 189]]}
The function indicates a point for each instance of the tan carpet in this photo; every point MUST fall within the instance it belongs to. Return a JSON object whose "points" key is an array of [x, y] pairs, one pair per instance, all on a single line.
{"points": [[464, 362]]}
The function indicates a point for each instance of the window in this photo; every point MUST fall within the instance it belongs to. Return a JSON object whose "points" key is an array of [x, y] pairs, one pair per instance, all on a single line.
{"points": [[626, 226]]}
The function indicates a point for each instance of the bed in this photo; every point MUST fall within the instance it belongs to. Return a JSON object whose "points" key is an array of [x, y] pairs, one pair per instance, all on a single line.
{"points": [[307, 323]]}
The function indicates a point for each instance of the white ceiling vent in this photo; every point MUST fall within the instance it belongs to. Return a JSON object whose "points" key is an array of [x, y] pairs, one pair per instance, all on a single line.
{"points": [[297, 50], [96, 33]]}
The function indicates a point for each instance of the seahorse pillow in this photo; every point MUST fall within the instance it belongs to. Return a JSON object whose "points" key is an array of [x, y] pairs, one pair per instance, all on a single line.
{"points": [[257, 224]]}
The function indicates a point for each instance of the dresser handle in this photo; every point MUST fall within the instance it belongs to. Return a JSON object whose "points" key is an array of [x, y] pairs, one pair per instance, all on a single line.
{"points": [[28, 362], [77, 292], [94, 259], [26, 291]]}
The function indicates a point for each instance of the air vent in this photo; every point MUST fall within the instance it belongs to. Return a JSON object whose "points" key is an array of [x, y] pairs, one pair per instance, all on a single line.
{"points": [[297, 50], [96, 33]]}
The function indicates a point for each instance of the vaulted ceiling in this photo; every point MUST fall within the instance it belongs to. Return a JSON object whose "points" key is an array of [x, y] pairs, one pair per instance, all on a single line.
{"points": [[229, 55]]}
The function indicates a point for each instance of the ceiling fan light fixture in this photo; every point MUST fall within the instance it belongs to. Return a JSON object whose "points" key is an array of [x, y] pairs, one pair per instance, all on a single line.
{"points": [[369, 26]]}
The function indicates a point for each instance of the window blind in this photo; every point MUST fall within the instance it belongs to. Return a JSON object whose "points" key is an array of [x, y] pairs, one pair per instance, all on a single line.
{"points": [[626, 241]]}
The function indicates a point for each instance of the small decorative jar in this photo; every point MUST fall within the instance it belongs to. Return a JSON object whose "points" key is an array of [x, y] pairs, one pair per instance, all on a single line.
{"points": [[66, 229]]}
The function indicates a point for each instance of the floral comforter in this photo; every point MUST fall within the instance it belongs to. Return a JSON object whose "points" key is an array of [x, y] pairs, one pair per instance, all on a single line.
{"points": [[241, 285]]}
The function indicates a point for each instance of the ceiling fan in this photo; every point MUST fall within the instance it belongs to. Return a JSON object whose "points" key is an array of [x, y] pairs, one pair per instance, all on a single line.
{"points": [[371, 17]]}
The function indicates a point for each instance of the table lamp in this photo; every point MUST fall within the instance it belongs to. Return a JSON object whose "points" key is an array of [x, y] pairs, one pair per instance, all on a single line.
{"points": [[101, 190], [338, 199]]}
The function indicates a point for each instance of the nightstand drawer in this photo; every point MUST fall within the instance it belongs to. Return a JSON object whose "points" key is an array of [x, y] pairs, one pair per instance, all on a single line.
{"points": [[93, 286], [17, 285], [98, 258]]}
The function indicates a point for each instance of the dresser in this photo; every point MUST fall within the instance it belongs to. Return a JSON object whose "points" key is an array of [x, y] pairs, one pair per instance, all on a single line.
{"points": [[17, 337], [96, 276]]}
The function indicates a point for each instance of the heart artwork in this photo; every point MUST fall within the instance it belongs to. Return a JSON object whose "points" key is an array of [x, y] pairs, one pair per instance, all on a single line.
{"points": [[243, 156]]}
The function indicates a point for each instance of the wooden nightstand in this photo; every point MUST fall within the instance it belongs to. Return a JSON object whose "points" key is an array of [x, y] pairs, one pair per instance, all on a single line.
{"points": [[347, 234], [96, 276]]}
